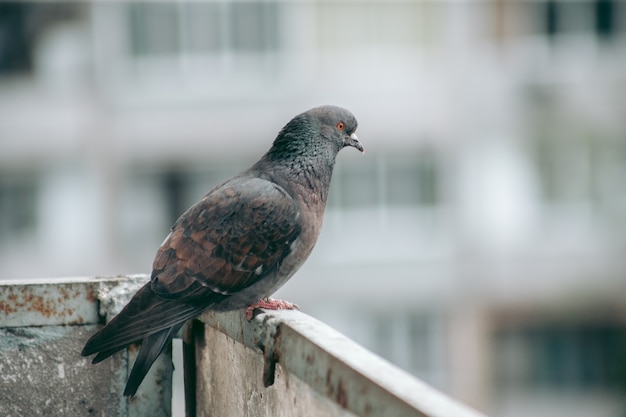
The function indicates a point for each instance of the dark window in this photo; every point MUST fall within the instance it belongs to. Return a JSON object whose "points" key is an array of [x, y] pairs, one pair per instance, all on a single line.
{"points": [[15, 43], [18, 198], [552, 17], [561, 356], [174, 183], [571, 17], [21, 26], [605, 11]]}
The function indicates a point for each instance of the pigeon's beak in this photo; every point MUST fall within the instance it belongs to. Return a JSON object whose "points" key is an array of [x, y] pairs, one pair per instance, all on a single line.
{"points": [[353, 141]]}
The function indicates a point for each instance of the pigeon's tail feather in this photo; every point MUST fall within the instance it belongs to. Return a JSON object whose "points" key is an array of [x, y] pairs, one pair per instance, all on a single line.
{"points": [[151, 348], [144, 315], [105, 354]]}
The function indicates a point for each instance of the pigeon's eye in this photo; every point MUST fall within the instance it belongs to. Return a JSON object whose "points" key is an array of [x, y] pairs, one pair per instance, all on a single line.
{"points": [[341, 126]]}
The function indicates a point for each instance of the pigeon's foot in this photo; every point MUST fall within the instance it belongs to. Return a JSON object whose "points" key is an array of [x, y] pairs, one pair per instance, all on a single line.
{"points": [[270, 304]]}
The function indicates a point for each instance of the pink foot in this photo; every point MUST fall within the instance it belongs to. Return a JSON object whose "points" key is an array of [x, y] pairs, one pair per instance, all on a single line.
{"points": [[270, 304]]}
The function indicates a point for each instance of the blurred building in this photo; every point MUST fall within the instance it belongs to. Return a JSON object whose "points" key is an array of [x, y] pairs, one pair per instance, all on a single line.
{"points": [[479, 243]]}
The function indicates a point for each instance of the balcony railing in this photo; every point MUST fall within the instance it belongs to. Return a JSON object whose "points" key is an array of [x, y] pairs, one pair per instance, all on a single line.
{"points": [[281, 363]]}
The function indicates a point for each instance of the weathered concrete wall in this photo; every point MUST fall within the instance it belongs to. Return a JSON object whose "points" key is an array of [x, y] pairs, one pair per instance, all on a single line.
{"points": [[43, 373], [230, 383], [43, 327]]}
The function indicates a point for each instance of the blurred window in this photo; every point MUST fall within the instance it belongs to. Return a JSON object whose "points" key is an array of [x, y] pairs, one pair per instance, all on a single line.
{"points": [[18, 205], [203, 28], [605, 18], [394, 180], [174, 183], [584, 171], [24, 25], [380, 23], [155, 28], [15, 45], [551, 17], [413, 182], [358, 185], [253, 26], [569, 17], [566, 169], [580, 164], [412, 340], [561, 356]]}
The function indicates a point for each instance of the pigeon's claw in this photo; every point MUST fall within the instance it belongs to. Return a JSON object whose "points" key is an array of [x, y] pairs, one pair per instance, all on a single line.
{"points": [[270, 304]]}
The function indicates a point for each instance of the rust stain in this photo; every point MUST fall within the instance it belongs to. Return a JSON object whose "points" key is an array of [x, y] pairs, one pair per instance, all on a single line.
{"points": [[336, 391], [91, 297], [342, 394], [63, 292], [47, 305], [7, 308], [37, 303]]}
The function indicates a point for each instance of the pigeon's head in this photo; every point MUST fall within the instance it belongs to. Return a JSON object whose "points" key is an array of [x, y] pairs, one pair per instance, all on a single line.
{"points": [[317, 133], [336, 125]]}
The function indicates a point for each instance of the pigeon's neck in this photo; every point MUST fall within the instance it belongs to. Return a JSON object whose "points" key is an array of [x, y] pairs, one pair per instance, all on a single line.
{"points": [[301, 176], [301, 160]]}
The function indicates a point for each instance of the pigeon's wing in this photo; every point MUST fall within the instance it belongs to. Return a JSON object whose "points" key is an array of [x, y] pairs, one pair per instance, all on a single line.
{"points": [[232, 238], [236, 235]]}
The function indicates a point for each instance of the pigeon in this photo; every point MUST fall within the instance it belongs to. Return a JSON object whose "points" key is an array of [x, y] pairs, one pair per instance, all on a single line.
{"points": [[240, 243]]}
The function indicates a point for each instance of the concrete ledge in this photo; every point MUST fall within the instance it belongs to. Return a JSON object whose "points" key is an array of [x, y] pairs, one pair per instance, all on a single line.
{"points": [[43, 327], [310, 369]]}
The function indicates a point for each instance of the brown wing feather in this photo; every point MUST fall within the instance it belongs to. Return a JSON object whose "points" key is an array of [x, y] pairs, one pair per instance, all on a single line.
{"points": [[233, 237]]}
